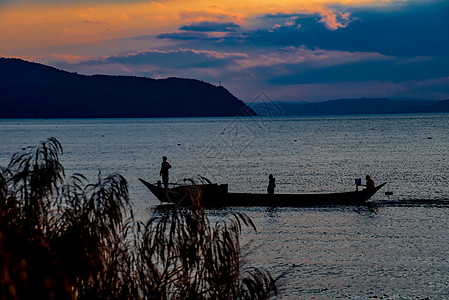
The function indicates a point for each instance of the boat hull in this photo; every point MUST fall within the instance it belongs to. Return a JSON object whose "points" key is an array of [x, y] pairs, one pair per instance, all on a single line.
{"points": [[188, 195], [298, 200], [217, 195]]}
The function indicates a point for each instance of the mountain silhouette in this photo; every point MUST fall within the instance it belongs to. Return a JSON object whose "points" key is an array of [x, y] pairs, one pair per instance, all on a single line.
{"points": [[360, 106], [32, 90]]}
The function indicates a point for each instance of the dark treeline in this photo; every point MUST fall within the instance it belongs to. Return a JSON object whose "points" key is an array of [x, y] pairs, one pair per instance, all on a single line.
{"points": [[69, 239]]}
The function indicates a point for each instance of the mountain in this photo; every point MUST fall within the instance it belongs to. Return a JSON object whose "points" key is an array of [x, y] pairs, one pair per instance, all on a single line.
{"points": [[361, 106], [32, 90]]}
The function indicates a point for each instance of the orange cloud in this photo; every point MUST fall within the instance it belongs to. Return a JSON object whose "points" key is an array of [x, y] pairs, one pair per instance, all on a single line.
{"points": [[334, 20], [69, 58], [188, 16], [27, 25]]}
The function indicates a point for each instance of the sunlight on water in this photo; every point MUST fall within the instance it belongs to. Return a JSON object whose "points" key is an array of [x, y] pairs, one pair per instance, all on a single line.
{"points": [[324, 253]]}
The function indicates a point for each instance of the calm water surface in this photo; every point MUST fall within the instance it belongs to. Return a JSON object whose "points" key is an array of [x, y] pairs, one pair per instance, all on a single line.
{"points": [[390, 250]]}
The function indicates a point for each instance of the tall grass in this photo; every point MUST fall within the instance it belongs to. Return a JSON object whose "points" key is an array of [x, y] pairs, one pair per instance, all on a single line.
{"points": [[70, 239]]}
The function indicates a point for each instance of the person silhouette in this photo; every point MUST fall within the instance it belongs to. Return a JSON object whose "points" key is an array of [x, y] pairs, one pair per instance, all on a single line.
{"points": [[164, 171], [271, 184], [369, 182]]}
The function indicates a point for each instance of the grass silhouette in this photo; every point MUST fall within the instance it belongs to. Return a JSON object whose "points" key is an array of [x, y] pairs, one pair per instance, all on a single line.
{"points": [[69, 239]]}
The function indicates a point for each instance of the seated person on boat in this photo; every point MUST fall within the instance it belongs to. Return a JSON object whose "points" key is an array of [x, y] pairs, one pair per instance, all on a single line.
{"points": [[369, 182]]}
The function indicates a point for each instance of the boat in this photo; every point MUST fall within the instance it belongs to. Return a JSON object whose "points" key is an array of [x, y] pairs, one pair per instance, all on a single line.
{"points": [[188, 194], [217, 195]]}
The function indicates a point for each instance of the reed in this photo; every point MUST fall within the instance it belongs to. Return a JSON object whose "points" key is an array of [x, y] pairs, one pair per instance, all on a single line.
{"points": [[70, 239]]}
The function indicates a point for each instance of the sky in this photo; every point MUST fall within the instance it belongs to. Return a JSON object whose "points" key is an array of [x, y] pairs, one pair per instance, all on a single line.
{"points": [[285, 50]]}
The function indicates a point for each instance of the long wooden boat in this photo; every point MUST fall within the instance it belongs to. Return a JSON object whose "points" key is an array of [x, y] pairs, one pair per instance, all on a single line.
{"points": [[217, 195]]}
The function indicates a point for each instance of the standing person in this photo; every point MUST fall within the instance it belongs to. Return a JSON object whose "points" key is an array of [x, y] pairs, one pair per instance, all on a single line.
{"points": [[164, 171], [369, 182], [271, 184]]}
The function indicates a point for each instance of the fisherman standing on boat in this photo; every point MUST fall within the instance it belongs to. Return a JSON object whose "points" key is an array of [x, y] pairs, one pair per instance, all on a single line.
{"points": [[369, 182], [271, 184], [164, 171]]}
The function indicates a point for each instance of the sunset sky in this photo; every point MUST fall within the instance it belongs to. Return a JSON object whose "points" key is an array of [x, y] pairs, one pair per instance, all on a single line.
{"points": [[303, 50]]}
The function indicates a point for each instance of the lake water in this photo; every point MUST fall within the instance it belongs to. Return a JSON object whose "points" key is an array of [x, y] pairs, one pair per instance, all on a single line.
{"points": [[396, 249]]}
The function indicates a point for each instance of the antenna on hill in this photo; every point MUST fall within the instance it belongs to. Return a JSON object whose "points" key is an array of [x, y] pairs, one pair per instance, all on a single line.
{"points": [[219, 83]]}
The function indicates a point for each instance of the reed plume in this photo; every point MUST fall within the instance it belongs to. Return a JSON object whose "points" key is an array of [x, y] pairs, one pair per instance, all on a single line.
{"points": [[69, 239]]}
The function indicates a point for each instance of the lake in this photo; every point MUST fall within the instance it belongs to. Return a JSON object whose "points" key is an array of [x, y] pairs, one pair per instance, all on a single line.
{"points": [[395, 249]]}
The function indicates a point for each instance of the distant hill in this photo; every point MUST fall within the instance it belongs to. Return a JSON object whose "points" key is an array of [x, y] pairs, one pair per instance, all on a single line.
{"points": [[32, 90], [361, 106]]}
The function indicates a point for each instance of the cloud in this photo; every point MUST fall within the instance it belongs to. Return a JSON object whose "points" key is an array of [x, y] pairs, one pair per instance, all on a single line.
{"points": [[323, 57], [419, 30], [68, 58], [92, 21], [211, 26], [185, 36], [333, 21], [389, 69], [283, 66], [434, 88], [179, 59], [206, 30], [75, 31], [190, 16]]}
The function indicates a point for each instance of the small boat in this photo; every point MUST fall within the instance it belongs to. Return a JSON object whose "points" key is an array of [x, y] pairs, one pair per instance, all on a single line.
{"points": [[217, 195]]}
